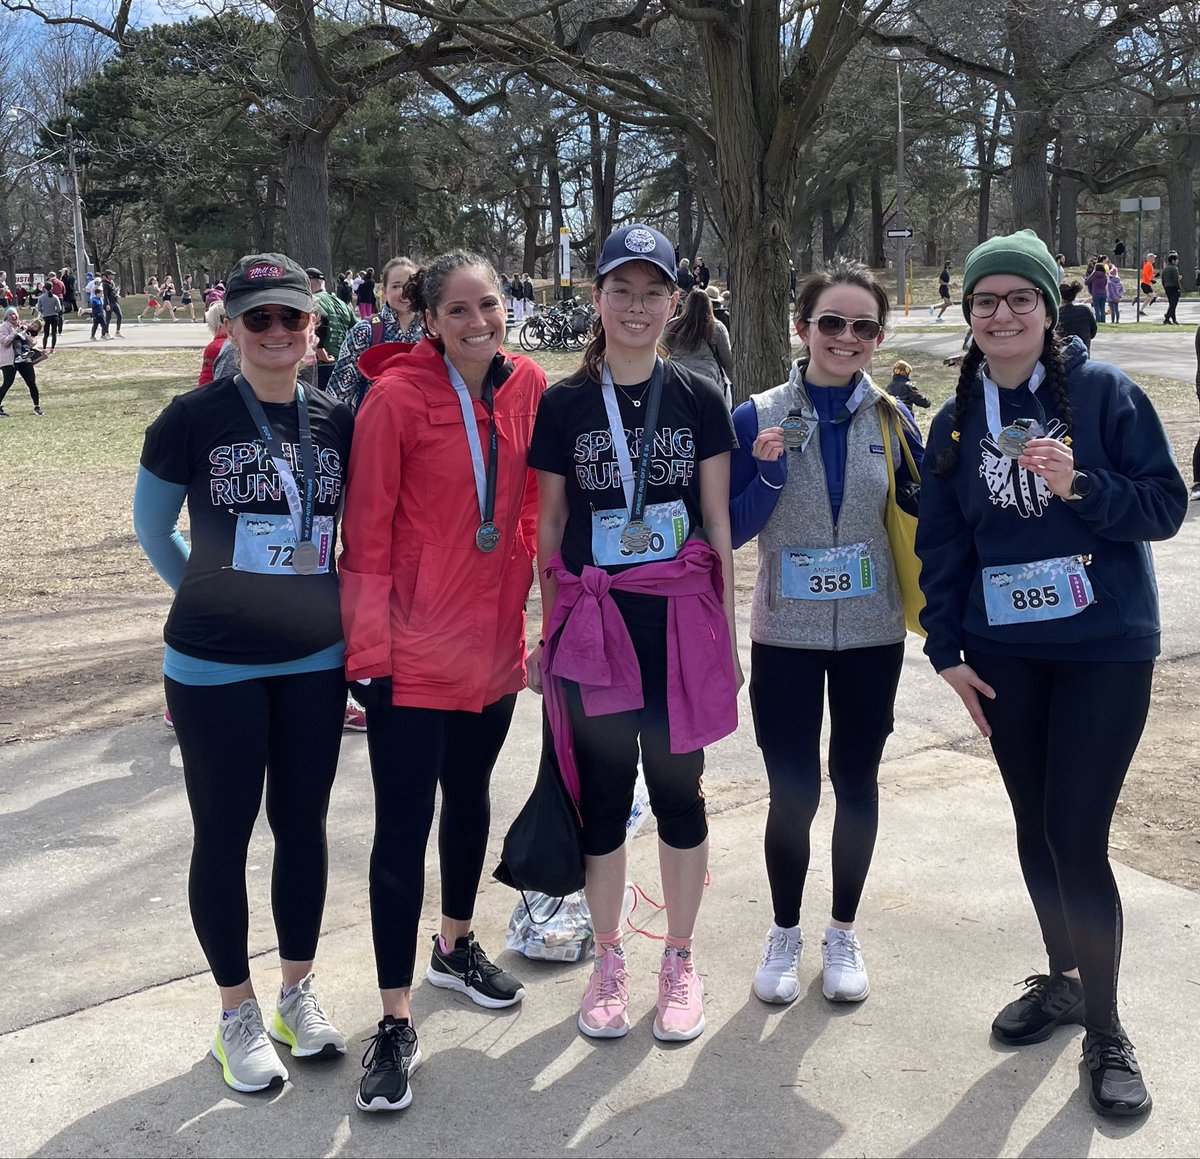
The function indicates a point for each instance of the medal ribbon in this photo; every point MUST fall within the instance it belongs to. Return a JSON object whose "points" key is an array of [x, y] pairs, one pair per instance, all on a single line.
{"points": [[991, 400], [485, 480], [302, 511], [635, 488]]}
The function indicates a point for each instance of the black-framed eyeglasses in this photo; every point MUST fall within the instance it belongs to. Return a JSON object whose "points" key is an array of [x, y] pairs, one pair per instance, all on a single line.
{"points": [[259, 321], [1022, 301], [652, 301], [831, 325]]}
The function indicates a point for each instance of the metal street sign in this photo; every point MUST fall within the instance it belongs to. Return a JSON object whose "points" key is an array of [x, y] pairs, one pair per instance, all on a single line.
{"points": [[1137, 204], [899, 233]]}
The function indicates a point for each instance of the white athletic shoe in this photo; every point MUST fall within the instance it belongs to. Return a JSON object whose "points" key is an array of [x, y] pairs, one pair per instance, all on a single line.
{"points": [[1196, 490], [845, 973], [776, 979], [301, 1024], [248, 1060]]}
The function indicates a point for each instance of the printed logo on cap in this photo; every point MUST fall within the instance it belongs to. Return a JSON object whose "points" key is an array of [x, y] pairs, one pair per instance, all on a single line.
{"points": [[640, 241], [265, 270]]}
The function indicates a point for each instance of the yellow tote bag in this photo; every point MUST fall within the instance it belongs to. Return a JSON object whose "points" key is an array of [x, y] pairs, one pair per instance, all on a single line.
{"points": [[902, 527]]}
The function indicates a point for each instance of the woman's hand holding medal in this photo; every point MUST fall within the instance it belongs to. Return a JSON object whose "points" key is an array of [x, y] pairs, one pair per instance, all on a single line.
{"points": [[1053, 460], [769, 446]]}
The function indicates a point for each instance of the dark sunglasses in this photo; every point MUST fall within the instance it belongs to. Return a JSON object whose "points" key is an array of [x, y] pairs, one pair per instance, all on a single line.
{"points": [[831, 325], [259, 321]]}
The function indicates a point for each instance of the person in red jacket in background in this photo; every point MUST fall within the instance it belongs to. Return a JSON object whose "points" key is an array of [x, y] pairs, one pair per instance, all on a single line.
{"points": [[215, 317], [439, 532]]}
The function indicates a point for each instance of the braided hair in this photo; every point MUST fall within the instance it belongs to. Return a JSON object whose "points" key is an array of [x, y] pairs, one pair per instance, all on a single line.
{"points": [[1056, 380]]}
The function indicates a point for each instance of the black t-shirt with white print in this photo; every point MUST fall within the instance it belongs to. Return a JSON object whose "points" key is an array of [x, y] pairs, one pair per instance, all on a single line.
{"points": [[571, 438], [225, 610]]}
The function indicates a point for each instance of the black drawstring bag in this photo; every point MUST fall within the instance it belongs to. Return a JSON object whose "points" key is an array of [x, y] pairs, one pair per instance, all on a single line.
{"points": [[541, 852]]}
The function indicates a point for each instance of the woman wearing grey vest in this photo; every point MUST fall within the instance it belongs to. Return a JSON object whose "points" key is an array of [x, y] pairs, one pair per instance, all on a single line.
{"points": [[810, 479]]}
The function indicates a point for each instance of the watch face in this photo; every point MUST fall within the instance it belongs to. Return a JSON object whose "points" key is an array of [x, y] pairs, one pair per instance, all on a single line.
{"points": [[1081, 485]]}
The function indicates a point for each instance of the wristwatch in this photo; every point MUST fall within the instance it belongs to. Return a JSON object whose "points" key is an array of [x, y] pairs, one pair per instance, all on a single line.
{"points": [[1081, 486]]}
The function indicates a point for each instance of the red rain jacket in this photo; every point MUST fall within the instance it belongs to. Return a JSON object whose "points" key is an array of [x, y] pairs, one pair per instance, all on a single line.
{"points": [[420, 602]]}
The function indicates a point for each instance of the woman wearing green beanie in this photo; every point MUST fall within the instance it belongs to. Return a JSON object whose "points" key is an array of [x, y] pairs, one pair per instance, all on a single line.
{"points": [[1051, 474]]}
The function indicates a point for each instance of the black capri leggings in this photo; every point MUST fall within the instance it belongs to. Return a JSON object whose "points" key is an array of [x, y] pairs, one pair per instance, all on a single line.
{"points": [[282, 730], [607, 749], [1063, 733], [52, 325], [787, 694], [413, 750], [28, 372]]}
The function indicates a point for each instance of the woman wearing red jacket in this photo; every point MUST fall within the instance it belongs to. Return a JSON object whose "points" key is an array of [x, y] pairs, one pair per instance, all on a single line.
{"points": [[439, 532]]}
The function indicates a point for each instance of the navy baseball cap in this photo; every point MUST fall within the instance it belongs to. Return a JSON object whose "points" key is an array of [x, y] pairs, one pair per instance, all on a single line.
{"points": [[637, 243]]}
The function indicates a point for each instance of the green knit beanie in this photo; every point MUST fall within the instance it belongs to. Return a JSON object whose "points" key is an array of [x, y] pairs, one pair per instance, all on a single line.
{"points": [[1022, 254]]}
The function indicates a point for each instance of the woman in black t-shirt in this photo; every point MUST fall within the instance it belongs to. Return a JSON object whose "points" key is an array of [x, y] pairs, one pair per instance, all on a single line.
{"points": [[253, 665], [590, 519], [365, 294]]}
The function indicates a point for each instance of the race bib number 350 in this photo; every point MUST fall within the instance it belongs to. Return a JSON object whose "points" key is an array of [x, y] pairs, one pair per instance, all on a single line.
{"points": [[826, 573], [668, 524], [1047, 589], [266, 543]]}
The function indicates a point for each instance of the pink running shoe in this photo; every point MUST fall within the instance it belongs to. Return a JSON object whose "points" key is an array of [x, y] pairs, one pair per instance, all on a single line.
{"points": [[167, 718], [604, 1011], [680, 1015], [356, 718]]}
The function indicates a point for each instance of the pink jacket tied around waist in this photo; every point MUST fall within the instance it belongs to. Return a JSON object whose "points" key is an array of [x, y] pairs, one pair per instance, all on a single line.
{"points": [[587, 642]]}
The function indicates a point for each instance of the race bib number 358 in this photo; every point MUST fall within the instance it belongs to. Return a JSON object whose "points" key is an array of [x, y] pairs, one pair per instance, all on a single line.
{"points": [[266, 543], [826, 573]]}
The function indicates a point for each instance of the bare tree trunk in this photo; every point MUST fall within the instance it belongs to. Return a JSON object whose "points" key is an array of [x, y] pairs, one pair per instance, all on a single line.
{"points": [[877, 259], [686, 201], [532, 217], [1032, 134], [1184, 149], [1068, 206]]}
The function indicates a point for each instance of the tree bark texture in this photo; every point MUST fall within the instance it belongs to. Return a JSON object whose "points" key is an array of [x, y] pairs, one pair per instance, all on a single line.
{"points": [[878, 260], [1184, 154]]}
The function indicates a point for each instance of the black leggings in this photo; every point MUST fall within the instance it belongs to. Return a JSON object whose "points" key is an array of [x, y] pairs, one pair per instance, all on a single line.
{"points": [[286, 731], [787, 694], [607, 749], [413, 750], [1172, 302], [52, 325], [27, 372], [1063, 734], [111, 311], [1196, 448]]}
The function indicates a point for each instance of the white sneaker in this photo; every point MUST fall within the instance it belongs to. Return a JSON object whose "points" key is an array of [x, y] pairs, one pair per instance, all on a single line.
{"points": [[1196, 490], [931, 311], [776, 979], [247, 1058], [301, 1024], [845, 973]]}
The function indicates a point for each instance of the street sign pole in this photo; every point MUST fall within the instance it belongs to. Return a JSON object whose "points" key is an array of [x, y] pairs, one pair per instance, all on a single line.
{"points": [[1139, 205]]}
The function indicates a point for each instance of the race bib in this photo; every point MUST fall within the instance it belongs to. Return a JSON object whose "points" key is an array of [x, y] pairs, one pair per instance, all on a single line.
{"points": [[1047, 589], [266, 544], [668, 524], [826, 573]]}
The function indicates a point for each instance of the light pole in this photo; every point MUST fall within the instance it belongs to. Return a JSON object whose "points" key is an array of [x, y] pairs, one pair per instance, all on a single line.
{"points": [[900, 180], [14, 112]]}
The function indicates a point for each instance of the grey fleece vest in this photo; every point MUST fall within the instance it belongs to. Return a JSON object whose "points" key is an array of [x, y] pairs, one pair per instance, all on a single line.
{"points": [[803, 517]]}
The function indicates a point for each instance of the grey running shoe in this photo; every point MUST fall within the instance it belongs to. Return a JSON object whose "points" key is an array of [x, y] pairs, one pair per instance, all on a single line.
{"points": [[248, 1060], [845, 972], [301, 1024]]}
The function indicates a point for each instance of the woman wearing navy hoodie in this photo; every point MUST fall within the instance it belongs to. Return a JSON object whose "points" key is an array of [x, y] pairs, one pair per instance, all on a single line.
{"points": [[1051, 472]]}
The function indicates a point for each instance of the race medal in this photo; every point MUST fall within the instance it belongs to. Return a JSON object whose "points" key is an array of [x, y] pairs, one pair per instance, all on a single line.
{"points": [[635, 537], [487, 538], [306, 557], [795, 431], [1014, 438]]}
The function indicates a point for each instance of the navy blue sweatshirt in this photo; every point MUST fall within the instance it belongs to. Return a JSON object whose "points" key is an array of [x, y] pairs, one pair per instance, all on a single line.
{"points": [[991, 513]]}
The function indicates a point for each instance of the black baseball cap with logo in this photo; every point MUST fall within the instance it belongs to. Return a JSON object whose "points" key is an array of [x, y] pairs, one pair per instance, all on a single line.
{"points": [[637, 243], [266, 280]]}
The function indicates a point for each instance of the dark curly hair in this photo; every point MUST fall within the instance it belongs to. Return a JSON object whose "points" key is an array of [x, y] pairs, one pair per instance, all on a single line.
{"points": [[1056, 380], [426, 287]]}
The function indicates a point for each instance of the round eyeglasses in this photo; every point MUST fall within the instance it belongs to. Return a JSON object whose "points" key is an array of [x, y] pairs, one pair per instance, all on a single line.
{"points": [[1022, 301]]}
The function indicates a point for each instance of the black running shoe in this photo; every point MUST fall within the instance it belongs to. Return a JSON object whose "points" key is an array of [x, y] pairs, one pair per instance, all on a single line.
{"points": [[1117, 1086], [468, 971], [392, 1056], [1049, 1001]]}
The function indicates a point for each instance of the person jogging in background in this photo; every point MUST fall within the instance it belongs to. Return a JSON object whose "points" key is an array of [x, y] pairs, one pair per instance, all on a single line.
{"points": [[153, 293], [810, 480], [253, 663], [943, 293], [636, 571], [1147, 281], [185, 298], [1051, 474], [437, 566]]}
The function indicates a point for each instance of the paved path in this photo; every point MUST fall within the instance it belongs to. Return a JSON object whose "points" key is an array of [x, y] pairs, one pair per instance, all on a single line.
{"points": [[108, 1011]]}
